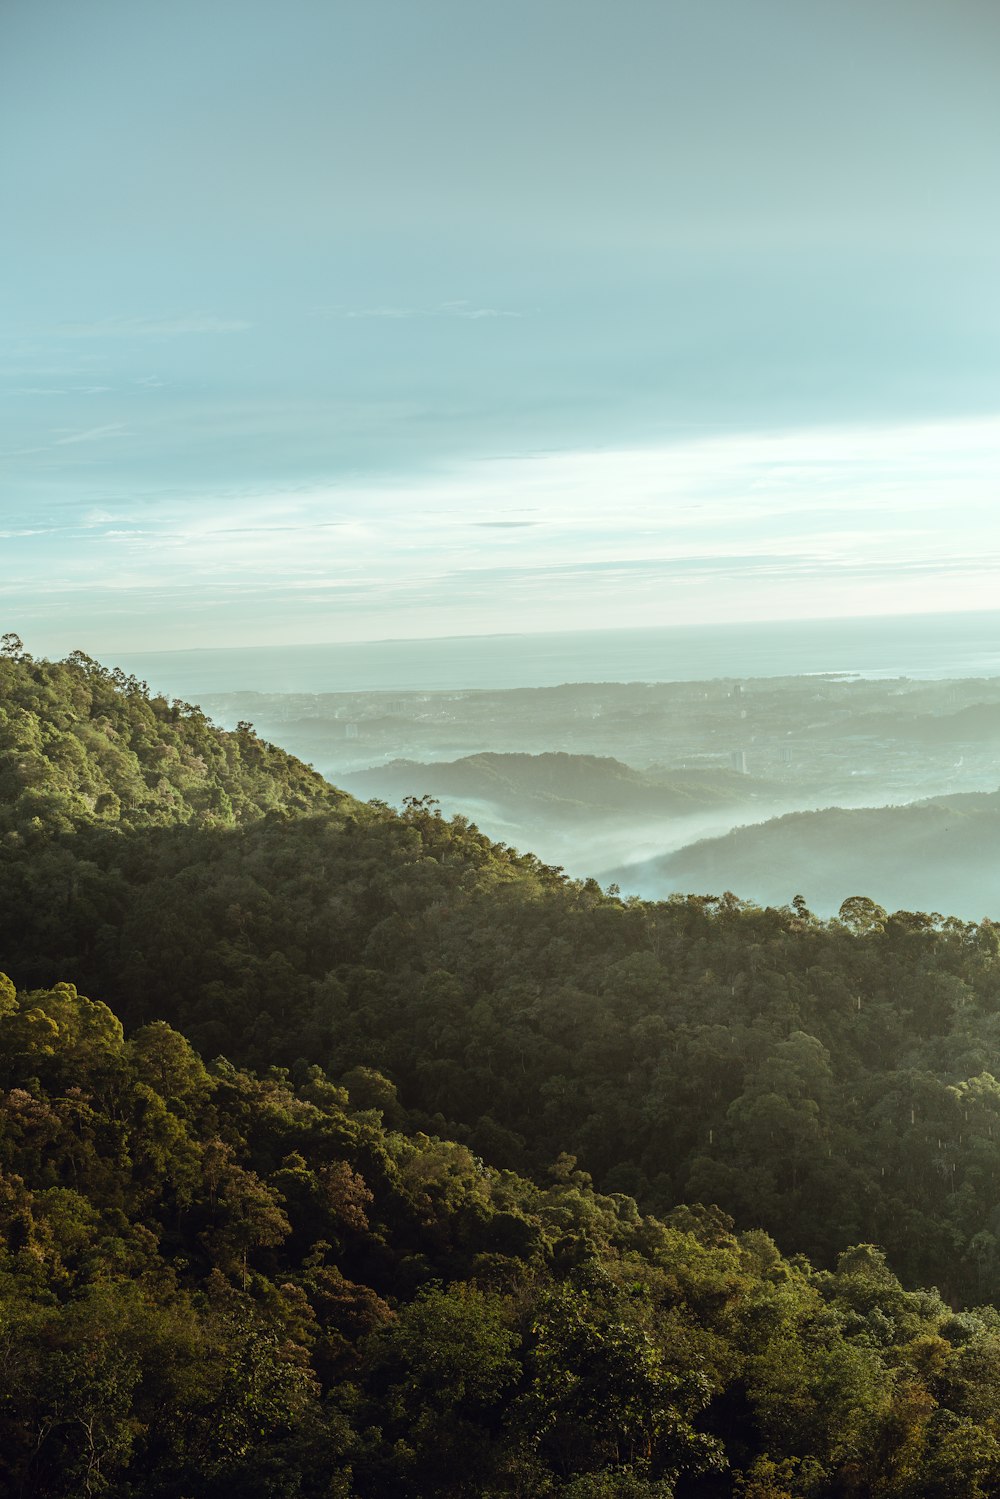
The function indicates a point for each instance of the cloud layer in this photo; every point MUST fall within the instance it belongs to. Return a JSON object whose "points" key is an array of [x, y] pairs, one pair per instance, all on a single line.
{"points": [[782, 525], [347, 321]]}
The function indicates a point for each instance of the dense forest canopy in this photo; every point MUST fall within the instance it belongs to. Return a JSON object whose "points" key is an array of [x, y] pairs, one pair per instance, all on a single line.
{"points": [[422, 1221], [83, 745], [212, 1283]]}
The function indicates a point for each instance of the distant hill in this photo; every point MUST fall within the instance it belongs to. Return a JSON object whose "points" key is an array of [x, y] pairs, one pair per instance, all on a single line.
{"points": [[556, 787], [977, 723], [938, 854]]}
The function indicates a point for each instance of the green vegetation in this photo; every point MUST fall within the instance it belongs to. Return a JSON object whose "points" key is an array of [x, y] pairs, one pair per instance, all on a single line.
{"points": [[82, 746], [378, 1265], [216, 1283]]}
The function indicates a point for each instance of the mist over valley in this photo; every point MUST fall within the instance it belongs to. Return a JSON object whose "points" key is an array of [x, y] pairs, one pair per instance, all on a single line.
{"points": [[824, 785]]}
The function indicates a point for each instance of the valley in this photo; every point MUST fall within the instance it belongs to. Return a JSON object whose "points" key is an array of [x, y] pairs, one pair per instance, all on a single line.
{"points": [[659, 787]]}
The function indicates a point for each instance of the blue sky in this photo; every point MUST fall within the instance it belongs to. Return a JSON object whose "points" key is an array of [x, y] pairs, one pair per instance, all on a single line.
{"points": [[333, 320]]}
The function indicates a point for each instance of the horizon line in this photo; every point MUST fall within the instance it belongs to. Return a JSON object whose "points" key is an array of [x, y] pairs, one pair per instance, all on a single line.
{"points": [[735, 624]]}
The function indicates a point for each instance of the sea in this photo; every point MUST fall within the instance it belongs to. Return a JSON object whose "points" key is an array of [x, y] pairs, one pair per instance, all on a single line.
{"points": [[926, 646]]}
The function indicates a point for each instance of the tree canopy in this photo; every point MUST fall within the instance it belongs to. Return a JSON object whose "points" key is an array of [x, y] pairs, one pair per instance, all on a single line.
{"points": [[506, 1184]]}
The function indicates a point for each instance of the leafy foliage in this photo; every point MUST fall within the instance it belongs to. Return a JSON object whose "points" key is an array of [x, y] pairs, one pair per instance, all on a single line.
{"points": [[378, 1265], [214, 1282], [81, 745]]}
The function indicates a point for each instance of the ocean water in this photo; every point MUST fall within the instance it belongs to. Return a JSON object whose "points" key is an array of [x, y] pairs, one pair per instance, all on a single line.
{"points": [[915, 646]]}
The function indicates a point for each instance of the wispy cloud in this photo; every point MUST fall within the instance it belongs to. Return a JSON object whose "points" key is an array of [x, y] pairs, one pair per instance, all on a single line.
{"points": [[475, 314], [788, 524], [92, 434], [57, 390], [458, 309], [147, 327]]}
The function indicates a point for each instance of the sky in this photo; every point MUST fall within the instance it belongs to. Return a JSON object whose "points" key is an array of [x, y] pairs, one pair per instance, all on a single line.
{"points": [[333, 321]]}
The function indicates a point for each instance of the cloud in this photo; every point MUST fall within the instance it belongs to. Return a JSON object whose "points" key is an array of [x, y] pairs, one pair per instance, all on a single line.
{"points": [[466, 310], [57, 390], [875, 520], [378, 312], [458, 309], [92, 434], [150, 327]]}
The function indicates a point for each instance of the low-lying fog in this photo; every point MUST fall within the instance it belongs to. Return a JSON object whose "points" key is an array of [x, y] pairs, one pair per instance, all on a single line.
{"points": [[622, 844], [824, 786]]}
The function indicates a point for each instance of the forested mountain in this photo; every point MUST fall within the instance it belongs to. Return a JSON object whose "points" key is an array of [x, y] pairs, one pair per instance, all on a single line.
{"points": [[933, 852], [581, 812], [558, 788], [81, 745], [324, 1294]]}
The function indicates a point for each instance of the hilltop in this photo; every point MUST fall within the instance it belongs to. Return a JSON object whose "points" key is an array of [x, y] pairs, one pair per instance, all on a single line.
{"points": [[82, 745], [578, 811], [554, 787]]}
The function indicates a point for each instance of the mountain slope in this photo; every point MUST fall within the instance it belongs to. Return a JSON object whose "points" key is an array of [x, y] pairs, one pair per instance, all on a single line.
{"points": [[828, 1081], [216, 1284], [580, 812], [559, 787], [940, 853], [81, 745]]}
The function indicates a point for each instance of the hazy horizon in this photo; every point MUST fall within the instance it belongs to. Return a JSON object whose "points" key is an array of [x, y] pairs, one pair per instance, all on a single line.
{"points": [[956, 645], [337, 322], [39, 645]]}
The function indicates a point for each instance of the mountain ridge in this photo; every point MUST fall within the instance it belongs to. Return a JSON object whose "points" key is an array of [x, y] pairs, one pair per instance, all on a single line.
{"points": [[360, 1254], [903, 855]]}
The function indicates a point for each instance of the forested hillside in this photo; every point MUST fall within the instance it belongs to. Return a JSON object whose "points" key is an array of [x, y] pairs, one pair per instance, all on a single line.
{"points": [[909, 855], [82, 745], [831, 1083], [215, 1284]]}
